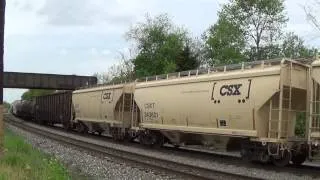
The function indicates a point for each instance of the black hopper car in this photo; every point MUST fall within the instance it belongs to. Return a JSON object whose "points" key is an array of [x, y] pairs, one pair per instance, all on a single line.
{"points": [[49, 109]]}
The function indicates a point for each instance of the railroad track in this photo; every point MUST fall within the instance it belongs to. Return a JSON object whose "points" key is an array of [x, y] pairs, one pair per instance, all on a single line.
{"points": [[188, 171], [309, 170]]}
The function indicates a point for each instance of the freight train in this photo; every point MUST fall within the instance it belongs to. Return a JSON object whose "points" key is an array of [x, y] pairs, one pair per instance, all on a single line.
{"points": [[22, 109], [252, 106]]}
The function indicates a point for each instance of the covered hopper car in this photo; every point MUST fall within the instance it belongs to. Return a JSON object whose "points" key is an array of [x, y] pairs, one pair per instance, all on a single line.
{"points": [[254, 104]]}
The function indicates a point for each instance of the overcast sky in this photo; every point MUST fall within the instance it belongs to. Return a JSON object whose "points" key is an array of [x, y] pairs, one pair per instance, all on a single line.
{"points": [[85, 36]]}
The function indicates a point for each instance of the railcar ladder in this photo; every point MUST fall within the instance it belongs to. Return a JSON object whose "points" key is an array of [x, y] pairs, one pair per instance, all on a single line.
{"points": [[134, 113], [314, 117], [125, 106], [279, 125]]}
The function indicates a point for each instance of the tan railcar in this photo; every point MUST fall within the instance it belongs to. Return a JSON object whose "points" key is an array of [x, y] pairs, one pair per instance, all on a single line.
{"points": [[313, 127], [103, 108], [258, 102], [243, 102]]}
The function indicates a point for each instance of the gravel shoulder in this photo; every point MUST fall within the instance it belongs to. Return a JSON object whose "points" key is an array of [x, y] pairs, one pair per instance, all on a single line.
{"points": [[236, 168], [97, 168], [86, 165]]}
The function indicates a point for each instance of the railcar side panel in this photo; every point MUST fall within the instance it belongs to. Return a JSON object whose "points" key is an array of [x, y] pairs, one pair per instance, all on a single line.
{"points": [[224, 103], [216, 106], [314, 121]]}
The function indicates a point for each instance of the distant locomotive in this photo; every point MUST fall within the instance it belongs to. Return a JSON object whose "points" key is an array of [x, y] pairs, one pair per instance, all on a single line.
{"points": [[253, 106]]}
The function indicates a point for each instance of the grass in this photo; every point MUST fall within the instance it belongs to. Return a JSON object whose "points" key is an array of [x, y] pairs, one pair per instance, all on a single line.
{"points": [[22, 161]]}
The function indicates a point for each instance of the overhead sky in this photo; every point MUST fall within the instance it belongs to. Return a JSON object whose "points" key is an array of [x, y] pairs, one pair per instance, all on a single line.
{"points": [[85, 36]]}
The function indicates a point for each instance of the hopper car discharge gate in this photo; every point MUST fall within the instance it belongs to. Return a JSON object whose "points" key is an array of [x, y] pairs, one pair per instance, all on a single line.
{"points": [[126, 112], [129, 105]]}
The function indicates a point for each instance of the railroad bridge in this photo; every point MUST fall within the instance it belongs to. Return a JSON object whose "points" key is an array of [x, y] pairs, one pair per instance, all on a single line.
{"points": [[32, 80], [46, 81]]}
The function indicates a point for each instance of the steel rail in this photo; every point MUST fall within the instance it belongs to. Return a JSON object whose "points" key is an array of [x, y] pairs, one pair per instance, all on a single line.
{"points": [[181, 169]]}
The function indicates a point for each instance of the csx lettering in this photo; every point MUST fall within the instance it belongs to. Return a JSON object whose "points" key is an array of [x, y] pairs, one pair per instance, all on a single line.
{"points": [[230, 90], [106, 95], [149, 105]]}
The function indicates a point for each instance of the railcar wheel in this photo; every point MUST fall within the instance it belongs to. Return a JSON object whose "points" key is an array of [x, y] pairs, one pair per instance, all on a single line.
{"points": [[67, 126], [152, 139], [114, 134], [99, 133], [264, 157], [299, 159], [246, 155], [80, 128], [146, 139], [117, 135], [283, 159]]}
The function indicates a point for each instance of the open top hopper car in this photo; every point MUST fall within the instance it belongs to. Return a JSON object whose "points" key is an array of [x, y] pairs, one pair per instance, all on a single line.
{"points": [[253, 105], [54, 109]]}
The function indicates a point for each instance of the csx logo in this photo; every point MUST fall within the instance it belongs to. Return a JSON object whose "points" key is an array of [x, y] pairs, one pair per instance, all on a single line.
{"points": [[230, 90], [106, 96]]}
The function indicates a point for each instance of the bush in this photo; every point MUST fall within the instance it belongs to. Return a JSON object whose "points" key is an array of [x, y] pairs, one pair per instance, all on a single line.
{"points": [[300, 128], [22, 161]]}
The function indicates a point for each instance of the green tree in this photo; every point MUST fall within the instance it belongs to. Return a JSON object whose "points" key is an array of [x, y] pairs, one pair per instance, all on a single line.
{"points": [[159, 43], [121, 72], [6, 106], [270, 51], [261, 21], [300, 127], [31, 93], [224, 42], [187, 59], [311, 9], [293, 47]]}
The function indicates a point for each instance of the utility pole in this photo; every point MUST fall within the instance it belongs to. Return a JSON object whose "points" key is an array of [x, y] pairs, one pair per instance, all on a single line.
{"points": [[2, 19]]}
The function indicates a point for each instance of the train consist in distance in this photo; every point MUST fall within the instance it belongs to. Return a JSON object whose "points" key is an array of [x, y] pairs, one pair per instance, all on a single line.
{"points": [[251, 107]]}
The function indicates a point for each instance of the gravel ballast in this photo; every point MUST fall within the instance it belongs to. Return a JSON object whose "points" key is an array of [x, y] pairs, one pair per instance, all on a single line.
{"points": [[86, 165], [208, 163]]}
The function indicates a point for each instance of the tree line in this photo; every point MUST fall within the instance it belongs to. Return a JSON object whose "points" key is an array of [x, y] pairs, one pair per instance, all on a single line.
{"points": [[245, 31], [31, 93]]}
